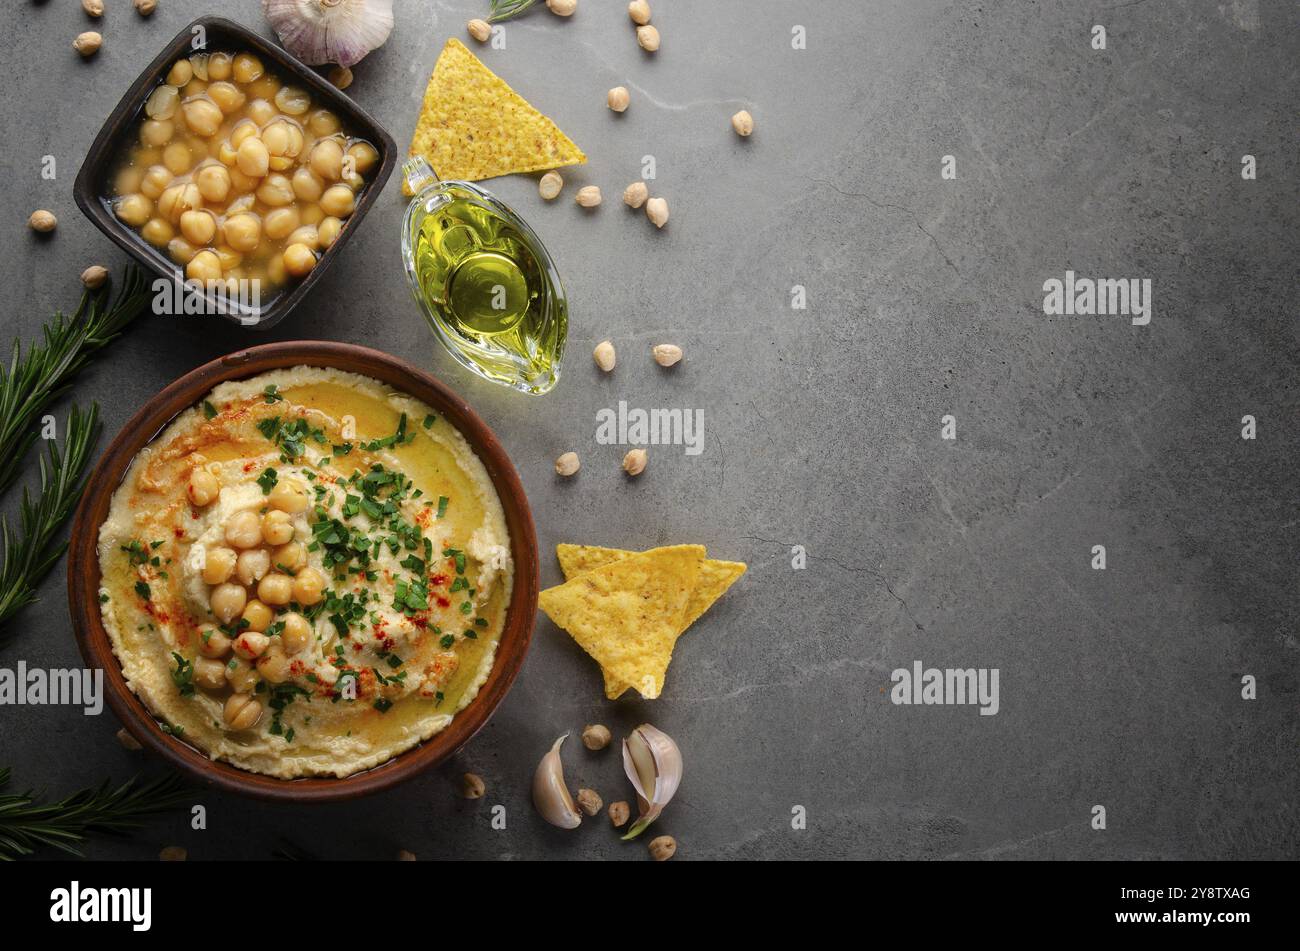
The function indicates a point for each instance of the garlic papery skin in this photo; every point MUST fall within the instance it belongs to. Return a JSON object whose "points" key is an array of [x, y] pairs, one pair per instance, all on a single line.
{"points": [[550, 794], [330, 31], [653, 763]]}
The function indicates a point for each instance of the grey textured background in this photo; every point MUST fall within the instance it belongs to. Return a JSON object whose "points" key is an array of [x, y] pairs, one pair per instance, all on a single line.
{"points": [[1118, 687]]}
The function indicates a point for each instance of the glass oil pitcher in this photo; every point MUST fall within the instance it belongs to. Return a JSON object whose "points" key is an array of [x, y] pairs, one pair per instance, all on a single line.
{"points": [[484, 281]]}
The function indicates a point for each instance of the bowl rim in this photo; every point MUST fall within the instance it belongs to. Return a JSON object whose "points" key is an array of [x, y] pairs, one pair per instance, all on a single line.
{"points": [[86, 193], [150, 420]]}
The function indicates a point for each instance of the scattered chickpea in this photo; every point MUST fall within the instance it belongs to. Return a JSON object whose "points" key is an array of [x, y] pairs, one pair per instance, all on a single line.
{"points": [[589, 801], [472, 786], [406, 856], [93, 8], [173, 853], [257, 615], [604, 355], [562, 8], [656, 209], [88, 43], [588, 196], [663, 848], [618, 98], [145, 7], [251, 645], [252, 565], [204, 487], [213, 643], [274, 665], [743, 123], [288, 497], [634, 462], [94, 276], [244, 530], [340, 77], [567, 464], [128, 741], [209, 673], [635, 195], [242, 712], [639, 11], [595, 736], [42, 221], [666, 354], [481, 30], [296, 634], [549, 185], [648, 37], [227, 601], [308, 587], [276, 589], [619, 813], [219, 565]]}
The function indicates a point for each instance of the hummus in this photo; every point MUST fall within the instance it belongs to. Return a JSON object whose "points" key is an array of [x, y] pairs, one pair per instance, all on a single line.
{"points": [[305, 574]]}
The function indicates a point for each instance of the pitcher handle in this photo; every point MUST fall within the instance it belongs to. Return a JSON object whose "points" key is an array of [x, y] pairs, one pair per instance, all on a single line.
{"points": [[417, 175]]}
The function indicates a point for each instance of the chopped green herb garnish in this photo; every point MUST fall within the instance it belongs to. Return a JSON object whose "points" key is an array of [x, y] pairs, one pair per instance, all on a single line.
{"points": [[267, 480]]}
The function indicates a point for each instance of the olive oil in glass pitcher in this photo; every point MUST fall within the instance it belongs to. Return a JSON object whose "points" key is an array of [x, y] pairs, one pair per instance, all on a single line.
{"points": [[484, 281]]}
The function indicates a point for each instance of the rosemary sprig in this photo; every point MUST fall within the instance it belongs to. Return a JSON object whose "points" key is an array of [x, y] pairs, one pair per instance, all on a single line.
{"points": [[35, 379], [499, 10], [26, 825], [30, 555]]}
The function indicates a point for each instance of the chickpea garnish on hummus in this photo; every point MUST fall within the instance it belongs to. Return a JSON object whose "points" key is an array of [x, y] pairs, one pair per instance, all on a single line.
{"points": [[306, 574]]}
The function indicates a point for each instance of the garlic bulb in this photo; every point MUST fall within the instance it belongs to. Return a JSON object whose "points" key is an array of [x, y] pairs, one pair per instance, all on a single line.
{"points": [[330, 31], [550, 795], [653, 763]]}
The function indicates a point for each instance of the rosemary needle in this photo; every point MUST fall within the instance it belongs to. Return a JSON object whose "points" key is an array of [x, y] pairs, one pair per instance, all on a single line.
{"points": [[25, 824], [499, 10], [33, 380], [30, 555]]}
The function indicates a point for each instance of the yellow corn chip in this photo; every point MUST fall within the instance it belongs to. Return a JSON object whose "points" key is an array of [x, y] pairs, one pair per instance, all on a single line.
{"points": [[714, 579], [715, 576], [474, 126], [628, 614]]}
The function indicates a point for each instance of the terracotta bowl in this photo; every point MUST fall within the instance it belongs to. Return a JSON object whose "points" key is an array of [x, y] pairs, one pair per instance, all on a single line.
{"points": [[83, 567]]}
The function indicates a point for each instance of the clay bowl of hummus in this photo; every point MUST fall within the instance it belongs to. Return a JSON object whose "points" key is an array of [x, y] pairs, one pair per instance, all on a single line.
{"points": [[308, 571]]}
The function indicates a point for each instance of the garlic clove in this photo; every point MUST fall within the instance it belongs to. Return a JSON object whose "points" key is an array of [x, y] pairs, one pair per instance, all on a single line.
{"points": [[330, 31], [653, 764], [550, 794]]}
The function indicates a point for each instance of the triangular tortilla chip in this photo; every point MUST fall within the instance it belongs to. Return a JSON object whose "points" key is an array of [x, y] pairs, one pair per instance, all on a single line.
{"points": [[474, 126], [627, 614], [714, 580], [715, 576]]}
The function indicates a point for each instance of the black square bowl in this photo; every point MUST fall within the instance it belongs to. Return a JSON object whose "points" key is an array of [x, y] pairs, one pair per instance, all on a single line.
{"points": [[93, 185]]}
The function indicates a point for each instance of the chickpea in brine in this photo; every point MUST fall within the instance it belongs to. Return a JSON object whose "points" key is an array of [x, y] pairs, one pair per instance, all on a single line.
{"points": [[203, 267], [243, 231], [198, 227], [246, 68], [134, 210], [299, 259], [338, 201], [154, 181], [156, 133], [157, 232], [213, 182]]}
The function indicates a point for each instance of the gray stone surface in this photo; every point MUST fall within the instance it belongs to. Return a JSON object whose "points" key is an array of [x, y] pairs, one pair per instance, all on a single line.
{"points": [[1118, 687]]}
